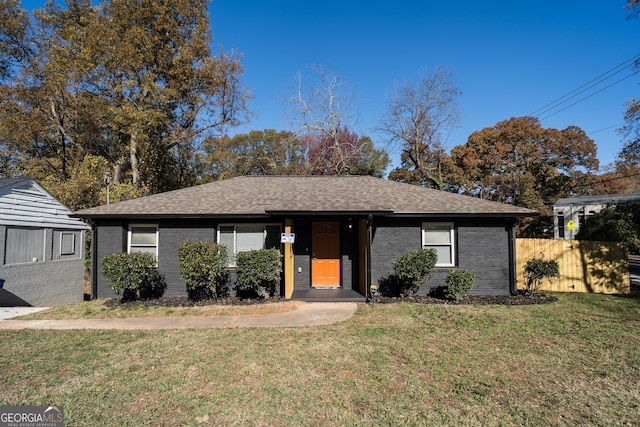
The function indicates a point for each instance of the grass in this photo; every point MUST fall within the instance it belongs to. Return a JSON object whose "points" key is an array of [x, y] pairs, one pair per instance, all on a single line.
{"points": [[575, 362], [96, 310]]}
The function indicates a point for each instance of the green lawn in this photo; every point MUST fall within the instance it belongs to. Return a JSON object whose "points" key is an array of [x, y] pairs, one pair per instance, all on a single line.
{"points": [[575, 362]]}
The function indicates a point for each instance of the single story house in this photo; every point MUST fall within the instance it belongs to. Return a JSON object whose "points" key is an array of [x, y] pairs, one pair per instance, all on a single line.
{"points": [[346, 231], [570, 213], [41, 247]]}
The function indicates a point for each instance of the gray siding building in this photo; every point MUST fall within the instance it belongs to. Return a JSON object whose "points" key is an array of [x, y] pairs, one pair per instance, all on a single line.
{"points": [[570, 213], [41, 247], [347, 231]]}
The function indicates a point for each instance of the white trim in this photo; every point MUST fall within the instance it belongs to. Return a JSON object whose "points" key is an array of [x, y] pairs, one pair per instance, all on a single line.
{"points": [[157, 244], [451, 245]]}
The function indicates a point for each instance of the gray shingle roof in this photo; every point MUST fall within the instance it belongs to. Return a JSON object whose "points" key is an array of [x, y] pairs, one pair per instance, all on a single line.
{"points": [[23, 202], [602, 199], [260, 195]]}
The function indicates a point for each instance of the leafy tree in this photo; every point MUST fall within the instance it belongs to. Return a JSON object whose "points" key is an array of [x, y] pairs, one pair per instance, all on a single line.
{"points": [[133, 83], [631, 130], [420, 116], [519, 162], [620, 177], [14, 45], [343, 154], [614, 223], [632, 6], [266, 152], [630, 152]]}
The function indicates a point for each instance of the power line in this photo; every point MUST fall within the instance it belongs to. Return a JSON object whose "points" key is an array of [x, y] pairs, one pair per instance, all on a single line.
{"points": [[607, 128], [589, 96], [588, 85]]}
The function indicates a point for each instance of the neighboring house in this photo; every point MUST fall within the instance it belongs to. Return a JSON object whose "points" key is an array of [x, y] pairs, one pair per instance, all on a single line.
{"points": [[570, 213], [41, 247], [348, 230]]}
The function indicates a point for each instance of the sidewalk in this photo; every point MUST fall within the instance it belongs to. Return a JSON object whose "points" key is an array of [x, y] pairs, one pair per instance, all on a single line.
{"points": [[308, 314]]}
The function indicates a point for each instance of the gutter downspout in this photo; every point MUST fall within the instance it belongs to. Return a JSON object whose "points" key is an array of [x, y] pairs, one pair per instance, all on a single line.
{"points": [[513, 286], [369, 240], [94, 260]]}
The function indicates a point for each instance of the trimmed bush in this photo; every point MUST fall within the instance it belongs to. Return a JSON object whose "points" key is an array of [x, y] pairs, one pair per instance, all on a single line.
{"points": [[258, 272], [537, 269], [203, 267], [413, 269], [134, 275], [459, 283]]}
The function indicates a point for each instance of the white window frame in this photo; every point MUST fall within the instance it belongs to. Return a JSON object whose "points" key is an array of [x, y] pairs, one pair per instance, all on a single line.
{"points": [[232, 253], [157, 245], [451, 245]]}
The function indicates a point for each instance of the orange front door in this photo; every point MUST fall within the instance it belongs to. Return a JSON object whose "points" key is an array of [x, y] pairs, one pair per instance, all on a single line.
{"points": [[325, 254]]}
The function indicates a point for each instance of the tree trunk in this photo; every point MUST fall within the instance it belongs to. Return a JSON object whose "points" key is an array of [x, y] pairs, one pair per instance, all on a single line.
{"points": [[133, 154]]}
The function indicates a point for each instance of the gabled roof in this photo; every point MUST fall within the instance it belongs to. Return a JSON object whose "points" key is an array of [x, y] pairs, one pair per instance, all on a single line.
{"points": [[270, 195], [25, 203], [597, 200]]}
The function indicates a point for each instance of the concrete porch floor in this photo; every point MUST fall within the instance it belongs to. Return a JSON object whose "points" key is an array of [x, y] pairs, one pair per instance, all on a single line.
{"points": [[328, 295]]}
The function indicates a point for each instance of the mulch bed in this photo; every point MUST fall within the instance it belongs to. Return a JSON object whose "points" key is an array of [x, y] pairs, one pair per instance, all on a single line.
{"points": [[184, 301], [519, 299]]}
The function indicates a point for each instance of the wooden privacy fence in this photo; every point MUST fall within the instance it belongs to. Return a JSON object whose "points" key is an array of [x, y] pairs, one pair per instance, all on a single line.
{"points": [[585, 266]]}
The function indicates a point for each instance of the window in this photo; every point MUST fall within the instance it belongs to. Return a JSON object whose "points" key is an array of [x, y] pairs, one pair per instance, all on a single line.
{"points": [[24, 245], [440, 236], [67, 243], [581, 219], [560, 218], [143, 238], [247, 237]]}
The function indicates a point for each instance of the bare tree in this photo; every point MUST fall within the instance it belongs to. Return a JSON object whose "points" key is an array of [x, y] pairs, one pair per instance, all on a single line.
{"points": [[419, 117], [322, 107]]}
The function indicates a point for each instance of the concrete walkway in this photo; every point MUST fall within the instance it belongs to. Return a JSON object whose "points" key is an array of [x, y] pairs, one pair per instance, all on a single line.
{"points": [[308, 314]]}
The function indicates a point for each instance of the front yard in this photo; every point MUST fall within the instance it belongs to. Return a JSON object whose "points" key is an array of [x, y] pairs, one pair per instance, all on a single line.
{"points": [[574, 362]]}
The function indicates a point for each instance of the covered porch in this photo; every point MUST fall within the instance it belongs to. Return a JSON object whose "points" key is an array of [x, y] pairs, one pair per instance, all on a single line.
{"points": [[328, 295], [328, 259]]}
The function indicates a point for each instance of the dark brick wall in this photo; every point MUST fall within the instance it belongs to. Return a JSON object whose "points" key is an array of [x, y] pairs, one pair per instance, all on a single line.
{"points": [[482, 247], [170, 235], [302, 255], [112, 238], [485, 251]]}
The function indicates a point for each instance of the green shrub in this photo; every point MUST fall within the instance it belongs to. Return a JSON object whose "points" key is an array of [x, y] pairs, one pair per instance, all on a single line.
{"points": [[258, 272], [413, 269], [459, 283], [535, 271], [203, 266], [134, 275]]}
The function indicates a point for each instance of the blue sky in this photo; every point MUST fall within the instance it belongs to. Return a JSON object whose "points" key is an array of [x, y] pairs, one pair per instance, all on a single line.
{"points": [[509, 58]]}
